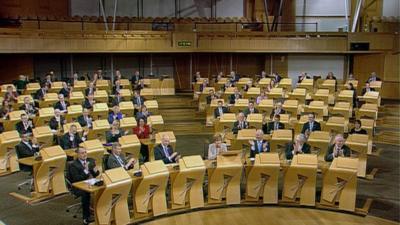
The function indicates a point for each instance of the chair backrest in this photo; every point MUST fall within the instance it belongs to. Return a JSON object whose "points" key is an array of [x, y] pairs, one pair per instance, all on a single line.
{"points": [[105, 160], [68, 178]]}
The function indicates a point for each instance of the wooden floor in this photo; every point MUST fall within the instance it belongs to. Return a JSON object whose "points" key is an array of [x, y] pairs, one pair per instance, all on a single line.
{"points": [[268, 216]]}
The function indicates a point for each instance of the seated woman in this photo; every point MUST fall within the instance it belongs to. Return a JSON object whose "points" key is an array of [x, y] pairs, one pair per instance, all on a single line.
{"points": [[10, 95], [216, 148], [143, 131], [5, 109], [261, 97], [114, 133], [357, 128], [143, 114]]}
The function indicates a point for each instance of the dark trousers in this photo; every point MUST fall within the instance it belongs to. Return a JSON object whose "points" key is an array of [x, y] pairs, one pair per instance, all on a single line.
{"points": [[85, 201], [144, 151]]}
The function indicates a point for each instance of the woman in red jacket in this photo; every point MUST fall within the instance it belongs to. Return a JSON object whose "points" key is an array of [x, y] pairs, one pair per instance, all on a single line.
{"points": [[143, 131]]}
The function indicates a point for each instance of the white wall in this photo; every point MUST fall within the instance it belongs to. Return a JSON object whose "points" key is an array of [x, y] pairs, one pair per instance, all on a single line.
{"points": [[391, 8], [315, 65], [329, 14], [159, 8]]}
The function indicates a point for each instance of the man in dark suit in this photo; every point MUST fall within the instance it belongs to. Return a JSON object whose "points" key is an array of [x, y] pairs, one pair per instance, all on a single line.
{"points": [[366, 89], [85, 120], [25, 126], [64, 90], [235, 96], [135, 78], [82, 168], [117, 87], [373, 77], [137, 101], [89, 102], [278, 109], [117, 159], [39, 95], [72, 139], [165, 152], [220, 110], [56, 123], [62, 105], [116, 100], [302, 77], [234, 77], [240, 124], [311, 125], [298, 147], [250, 110], [275, 124], [259, 144], [337, 149], [26, 148], [90, 90], [276, 77], [28, 107], [211, 95]]}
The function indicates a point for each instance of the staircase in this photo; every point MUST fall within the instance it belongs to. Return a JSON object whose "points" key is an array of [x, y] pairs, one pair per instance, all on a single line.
{"points": [[181, 116]]}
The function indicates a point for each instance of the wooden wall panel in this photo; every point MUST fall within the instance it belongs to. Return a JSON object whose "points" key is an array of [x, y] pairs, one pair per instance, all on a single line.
{"points": [[364, 64], [11, 66], [34, 8]]}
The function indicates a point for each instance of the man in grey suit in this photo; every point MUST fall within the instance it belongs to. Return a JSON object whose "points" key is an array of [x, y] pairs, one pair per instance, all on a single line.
{"points": [[116, 159]]}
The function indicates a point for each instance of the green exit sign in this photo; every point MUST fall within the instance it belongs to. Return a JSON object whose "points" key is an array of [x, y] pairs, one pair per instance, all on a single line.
{"points": [[184, 43]]}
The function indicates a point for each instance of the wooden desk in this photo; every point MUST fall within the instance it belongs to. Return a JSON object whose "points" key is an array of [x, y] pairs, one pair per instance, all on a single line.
{"points": [[128, 123], [80, 85], [286, 84], [45, 114], [99, 129], [103, 85], [56, 86], [43, 135], [100, 111], [276, 93], [76, 98], [156, 122], [225, 122], [308, 84], [266, 106], [252, 93], [240, 105], [264, 82], [101, 96], [49, 100], [152, 106], [126, 94], [31, 88], [8, 155], [298, 94], [127, 108], [292, 107], [74, 111], [255, 120]]}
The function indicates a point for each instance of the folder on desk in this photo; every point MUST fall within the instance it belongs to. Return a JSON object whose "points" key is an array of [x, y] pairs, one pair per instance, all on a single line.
{"points": [[340, 184], [300, 179], [224, 180], [112, 203], [8, 156], [187, 184], [50, 174], [130, 145], [150, 193], [262, 180]]}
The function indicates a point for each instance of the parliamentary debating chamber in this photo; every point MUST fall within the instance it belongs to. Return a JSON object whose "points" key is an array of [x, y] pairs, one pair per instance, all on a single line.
{"points": [[200, 112]]}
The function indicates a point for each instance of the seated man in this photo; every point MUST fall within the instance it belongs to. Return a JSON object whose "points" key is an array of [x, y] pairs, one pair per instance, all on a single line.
{"points": [[85, 120], [275, 124], [115, 114], [117, 99], [203, 85], [56, 123], [137, 101], [259, 144], [25, 126], [26, 148], [366, 89], [278, 109], [61, 104], [373, 77], [72, 139], [220, 110], [311, 125], [28, 107], [165, 152], [337, 149], [90, 90], [250, 110], [80, 169], [117, 159], [235, 96], [117, 87], [302, 77], [241, 123], [89, 102], [65, 90], [211, 96], [298, 147], [41, 93]]}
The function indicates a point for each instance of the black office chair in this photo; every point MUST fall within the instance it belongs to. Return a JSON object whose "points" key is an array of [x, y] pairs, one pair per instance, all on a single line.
{"points": [[105, 159], [76, 207], [25, 169]]}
